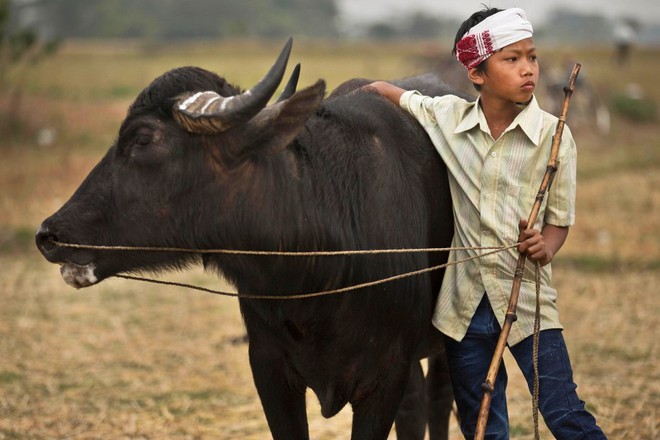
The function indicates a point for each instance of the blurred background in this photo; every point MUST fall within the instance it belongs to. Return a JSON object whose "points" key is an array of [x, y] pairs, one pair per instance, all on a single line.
{"points": [[587, 21], [125, 360]]}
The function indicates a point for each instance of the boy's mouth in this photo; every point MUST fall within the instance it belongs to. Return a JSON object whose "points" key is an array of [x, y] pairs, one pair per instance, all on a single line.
{"points": [[529, 85]]}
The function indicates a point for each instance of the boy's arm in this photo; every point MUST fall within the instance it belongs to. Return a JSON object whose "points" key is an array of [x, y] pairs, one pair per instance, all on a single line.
{"points": [[541, 246], [387, 90]]}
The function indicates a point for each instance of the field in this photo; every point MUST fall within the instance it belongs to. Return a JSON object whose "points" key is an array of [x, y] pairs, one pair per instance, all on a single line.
{"points": [[125, 360]]}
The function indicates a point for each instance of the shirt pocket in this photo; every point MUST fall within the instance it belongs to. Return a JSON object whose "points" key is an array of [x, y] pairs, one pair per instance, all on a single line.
{"points": [[518, 205]]}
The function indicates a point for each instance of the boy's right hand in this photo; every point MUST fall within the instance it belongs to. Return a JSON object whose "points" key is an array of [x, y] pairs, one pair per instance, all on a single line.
{"points": [[387, 90]]}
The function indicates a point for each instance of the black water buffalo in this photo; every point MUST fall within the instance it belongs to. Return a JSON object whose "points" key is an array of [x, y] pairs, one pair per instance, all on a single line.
{"points": [[227, 170]]}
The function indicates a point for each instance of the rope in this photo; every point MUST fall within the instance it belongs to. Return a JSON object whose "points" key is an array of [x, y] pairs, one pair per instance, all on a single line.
{"points": [[535, 352], [494, 249], [491, 250], [276, 253]]}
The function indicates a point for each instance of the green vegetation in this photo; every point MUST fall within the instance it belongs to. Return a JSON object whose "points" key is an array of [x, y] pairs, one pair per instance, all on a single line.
{"points": [[157, 19], [635, 108], [20, 49]]}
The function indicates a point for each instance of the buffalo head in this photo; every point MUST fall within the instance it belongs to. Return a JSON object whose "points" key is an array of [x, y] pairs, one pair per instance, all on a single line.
{"points": [[185, 152]]}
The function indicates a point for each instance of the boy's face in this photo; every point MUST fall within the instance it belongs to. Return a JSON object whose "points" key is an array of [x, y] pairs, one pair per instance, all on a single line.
{"points": [[511, 74]]}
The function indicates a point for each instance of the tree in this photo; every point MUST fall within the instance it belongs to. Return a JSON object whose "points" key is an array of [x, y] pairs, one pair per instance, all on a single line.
{"points": [[175, 19], [20, 48]]}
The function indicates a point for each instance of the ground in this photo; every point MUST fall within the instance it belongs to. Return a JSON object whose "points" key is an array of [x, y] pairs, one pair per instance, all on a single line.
{"points": [[128, 360]]}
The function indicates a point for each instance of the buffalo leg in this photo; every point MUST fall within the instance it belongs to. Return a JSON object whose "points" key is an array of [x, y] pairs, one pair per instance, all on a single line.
{"points": [[373, 416], [440, 396], [282, 395], [410, 422]]}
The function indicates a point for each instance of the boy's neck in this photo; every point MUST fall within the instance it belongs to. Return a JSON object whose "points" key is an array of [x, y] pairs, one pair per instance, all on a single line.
{"points": [[499, 114]]}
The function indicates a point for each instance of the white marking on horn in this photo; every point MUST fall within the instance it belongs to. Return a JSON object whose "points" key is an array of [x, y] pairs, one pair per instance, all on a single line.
{"points": [[210, 101], [225, 102], [190, 100]]}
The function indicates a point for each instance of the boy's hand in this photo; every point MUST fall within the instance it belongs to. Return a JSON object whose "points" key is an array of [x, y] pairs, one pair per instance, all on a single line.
{"points": [[533, 243], [389, 91]]}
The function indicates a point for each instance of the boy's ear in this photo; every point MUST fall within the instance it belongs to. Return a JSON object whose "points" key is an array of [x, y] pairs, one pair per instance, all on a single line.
{"points": [[476, 76]]}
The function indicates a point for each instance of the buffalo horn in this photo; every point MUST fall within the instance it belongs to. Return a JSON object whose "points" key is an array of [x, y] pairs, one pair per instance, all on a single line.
{"points": [[208, 112], [291, 85]]}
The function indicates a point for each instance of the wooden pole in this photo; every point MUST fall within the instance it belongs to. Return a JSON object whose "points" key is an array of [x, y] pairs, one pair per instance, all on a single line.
{"points": [[489, 385]]}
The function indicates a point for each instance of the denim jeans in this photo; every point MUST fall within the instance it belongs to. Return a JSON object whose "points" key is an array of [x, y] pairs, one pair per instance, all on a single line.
{"points": [[564, 413]]}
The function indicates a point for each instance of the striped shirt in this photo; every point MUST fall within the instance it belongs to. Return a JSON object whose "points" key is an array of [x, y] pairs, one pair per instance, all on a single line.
{"points": [[493, 185]]}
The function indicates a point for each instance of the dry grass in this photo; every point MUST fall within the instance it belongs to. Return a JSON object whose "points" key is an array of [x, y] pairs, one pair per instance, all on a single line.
{"points": [[130, 361]]}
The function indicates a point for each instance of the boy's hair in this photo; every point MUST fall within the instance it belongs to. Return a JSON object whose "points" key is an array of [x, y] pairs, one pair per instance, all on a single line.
{"points": [[468, 24]]}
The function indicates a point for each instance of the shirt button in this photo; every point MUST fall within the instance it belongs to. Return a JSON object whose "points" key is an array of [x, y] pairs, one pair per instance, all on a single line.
{"points": [[488, 196], [493, 154]]}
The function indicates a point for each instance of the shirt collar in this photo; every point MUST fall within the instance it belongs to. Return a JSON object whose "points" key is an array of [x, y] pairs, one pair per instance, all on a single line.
{"points": [[530, 120]]}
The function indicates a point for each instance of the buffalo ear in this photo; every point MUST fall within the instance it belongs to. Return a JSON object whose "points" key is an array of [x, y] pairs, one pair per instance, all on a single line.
{"points": [[277, 125]]}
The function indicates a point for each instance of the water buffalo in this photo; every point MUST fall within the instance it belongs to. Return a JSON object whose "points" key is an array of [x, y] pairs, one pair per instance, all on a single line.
{"points": [[226, 169]]}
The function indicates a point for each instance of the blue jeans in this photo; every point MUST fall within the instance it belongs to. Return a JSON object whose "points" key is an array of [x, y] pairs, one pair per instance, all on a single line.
{"points": [[564, 413]]}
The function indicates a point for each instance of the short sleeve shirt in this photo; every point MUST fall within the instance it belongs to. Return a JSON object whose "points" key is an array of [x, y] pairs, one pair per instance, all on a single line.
{"points": [[493, 185]]}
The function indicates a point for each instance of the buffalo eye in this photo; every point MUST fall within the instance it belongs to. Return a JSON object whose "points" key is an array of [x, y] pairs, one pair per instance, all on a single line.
{"points": [[143, 138], [145, 147]]}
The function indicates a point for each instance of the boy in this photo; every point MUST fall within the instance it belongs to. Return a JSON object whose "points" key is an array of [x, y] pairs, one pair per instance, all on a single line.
{"points": [[496, 150]]}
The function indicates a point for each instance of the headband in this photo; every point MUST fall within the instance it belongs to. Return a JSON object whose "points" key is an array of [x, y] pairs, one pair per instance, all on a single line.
{"points": [[493, 33]]}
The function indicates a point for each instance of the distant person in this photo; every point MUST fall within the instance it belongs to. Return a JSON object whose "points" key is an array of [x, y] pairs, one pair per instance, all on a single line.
{"points": [[625, 32], [496, 150]]}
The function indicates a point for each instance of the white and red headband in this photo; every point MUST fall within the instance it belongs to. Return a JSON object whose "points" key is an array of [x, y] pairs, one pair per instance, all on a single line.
{"points": [[493, 33]]}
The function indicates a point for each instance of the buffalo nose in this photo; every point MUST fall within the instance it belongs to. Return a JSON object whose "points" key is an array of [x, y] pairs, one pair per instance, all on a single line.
{"points": [[45, 240]]}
